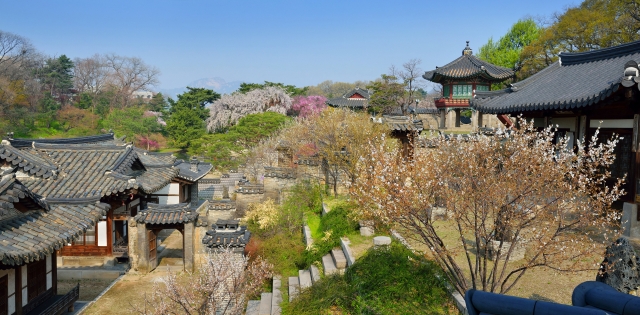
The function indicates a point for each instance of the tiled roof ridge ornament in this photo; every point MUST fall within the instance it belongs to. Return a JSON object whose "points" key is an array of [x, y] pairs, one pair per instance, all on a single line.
{"points": [[467, 50], [631, 74]]}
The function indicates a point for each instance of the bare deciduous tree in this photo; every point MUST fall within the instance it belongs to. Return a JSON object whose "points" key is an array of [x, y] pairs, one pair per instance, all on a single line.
{"points": [[504, 193], [221, 286], [129, 74], [14, 50], [91, 74]]}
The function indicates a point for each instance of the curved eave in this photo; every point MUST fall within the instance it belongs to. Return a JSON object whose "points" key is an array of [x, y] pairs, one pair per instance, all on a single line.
{"points": [[484, 75], [493, 106]]}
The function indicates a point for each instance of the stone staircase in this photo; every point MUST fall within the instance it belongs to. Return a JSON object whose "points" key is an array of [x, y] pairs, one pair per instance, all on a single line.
{"points": [[334, 262], [269, 303]]}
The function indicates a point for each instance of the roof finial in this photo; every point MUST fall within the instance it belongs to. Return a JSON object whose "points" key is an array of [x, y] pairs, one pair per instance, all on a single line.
{"points": [[467, 50]]}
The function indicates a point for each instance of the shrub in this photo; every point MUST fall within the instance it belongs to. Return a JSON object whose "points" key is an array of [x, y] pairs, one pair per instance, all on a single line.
{"points": [[333, 225], [386, 280]]}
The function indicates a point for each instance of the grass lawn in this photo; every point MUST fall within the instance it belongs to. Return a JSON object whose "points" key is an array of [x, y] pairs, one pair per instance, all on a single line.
{"points": [[386, 280], [539, 283]]}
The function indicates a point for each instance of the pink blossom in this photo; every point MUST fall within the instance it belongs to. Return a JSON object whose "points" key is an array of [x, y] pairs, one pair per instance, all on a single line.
{"points": [[306, 106]]}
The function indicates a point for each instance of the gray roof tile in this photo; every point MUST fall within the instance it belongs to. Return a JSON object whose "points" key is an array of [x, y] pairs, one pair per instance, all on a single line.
{"points": [[576, 80]]}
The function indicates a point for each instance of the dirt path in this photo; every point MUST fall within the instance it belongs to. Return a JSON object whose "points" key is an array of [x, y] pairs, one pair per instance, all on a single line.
{"points": [[130, 292]]}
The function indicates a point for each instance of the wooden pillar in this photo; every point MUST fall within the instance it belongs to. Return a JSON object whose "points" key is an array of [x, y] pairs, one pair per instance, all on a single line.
{"points": [[54, 273], [457, 110]]}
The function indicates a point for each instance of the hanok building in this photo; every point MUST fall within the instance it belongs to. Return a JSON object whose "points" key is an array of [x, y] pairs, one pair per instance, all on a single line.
{"points": [[77, 173], [460, 80], [356, 99], [580, 93], [32, 230]]}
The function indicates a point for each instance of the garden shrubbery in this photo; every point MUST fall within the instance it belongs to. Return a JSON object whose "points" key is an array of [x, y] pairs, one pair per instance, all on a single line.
{"points": [[277, 229], [333, 225], [386, 280]]}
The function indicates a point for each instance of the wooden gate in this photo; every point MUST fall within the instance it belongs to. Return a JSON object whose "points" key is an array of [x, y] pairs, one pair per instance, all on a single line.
{"points": [[153, 252]]}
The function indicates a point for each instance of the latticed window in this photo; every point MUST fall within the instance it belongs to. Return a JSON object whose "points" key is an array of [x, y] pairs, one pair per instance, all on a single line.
{"points": [[462, 91], [482, 88]]}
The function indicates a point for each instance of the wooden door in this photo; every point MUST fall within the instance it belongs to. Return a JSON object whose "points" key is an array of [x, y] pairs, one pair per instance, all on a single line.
{"points": [[4, 296], [153, 250]]}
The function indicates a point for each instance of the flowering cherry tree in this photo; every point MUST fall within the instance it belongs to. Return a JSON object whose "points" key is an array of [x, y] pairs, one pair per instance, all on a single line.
{"points": [[306, 106], [221, 286], [227, 110], [497, 194]]}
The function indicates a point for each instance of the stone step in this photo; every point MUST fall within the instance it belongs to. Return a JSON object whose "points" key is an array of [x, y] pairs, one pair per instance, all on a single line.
{"points": [[315, 273], [265, 304], [338, 258], [346, 249], [328, 265], [253, 307], [276, 299], [294, 287], [304, 277]]}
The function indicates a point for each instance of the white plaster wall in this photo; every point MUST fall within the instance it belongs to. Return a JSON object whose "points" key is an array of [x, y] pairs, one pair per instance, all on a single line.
{"points": [[170, 189], [25, 297], [102, 233], [565, 122], [611, 123], [168, 200]]}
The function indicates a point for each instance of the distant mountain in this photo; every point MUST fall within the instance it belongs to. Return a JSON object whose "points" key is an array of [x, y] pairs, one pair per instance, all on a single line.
{"points": [[217, 84]]}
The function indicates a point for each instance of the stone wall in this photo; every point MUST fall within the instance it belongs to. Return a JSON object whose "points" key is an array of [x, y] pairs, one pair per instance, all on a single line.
{"points": [[137, 258], [275, 187], [244, 200], [200, 251], [206, 188]]}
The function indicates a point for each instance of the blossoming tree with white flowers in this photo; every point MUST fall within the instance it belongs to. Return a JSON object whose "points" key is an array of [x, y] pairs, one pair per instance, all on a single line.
{"points": [[520, 188]]}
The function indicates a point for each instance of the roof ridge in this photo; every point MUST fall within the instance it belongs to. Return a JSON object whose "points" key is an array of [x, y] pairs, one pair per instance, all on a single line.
{"points": [[567, 59], [66, 147], [26, 142]]}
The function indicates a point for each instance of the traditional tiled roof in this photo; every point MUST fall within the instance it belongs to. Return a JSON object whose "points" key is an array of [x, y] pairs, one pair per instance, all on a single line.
{"points": [[400, 123], [152, 159], [279, 172], [223, 204], [84, 171], [28, 161], [227, 233], [417, 111], [155, 178], [167, 214], [576, 80], [468, 67], [192, 170], [12, 191], [33, 235], [347, 100], [107, 138], [362, 92], [250, 189]]}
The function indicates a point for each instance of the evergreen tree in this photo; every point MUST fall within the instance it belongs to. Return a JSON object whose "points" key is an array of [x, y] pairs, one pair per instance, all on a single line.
{"points": [[187, 115]]}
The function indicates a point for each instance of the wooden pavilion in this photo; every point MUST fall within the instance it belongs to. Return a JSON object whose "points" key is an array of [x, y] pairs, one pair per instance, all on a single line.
{"points": [[460, 80]]}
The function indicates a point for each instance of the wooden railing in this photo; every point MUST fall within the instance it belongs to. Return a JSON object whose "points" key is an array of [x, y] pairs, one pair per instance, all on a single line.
{"points": [[64, 302]]}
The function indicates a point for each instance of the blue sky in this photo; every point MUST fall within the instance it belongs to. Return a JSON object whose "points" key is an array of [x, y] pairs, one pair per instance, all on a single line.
{"points": [[300, 42]]}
